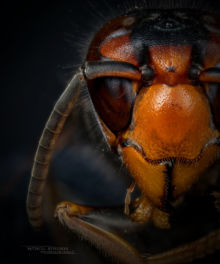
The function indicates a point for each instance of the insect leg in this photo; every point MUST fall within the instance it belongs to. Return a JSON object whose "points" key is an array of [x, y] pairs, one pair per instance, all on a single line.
{"points": [[128, 198], [69, 215], [188, 252], [46, 145]]}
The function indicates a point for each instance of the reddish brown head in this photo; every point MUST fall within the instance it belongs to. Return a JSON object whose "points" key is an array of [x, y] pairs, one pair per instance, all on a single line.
{"points": [[166, 125]]}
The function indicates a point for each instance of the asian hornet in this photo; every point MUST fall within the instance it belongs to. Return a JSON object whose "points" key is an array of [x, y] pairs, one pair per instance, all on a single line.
{"points": [[153, 77]]}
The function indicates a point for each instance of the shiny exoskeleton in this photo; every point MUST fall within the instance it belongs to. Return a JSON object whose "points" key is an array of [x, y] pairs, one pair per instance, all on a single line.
{"points": [[165, 126], [153, 77]]}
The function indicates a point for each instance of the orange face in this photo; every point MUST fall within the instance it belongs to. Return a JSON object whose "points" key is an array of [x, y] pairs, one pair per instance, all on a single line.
{"points": [[171, 122], [163, 127]]}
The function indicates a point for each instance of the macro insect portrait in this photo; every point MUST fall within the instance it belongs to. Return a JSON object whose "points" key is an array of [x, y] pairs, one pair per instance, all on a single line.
{"points": [[143, 112]]}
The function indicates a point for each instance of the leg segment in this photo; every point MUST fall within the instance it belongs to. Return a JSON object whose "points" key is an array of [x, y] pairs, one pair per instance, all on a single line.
{"points": [[188, 252], [69, 215], [128, 198]]}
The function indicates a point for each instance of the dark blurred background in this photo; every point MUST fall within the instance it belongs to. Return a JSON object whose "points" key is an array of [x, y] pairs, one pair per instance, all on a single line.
{"points": [[43, 43], [37, 61]]}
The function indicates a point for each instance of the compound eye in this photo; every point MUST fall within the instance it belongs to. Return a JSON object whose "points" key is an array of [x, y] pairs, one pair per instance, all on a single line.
{"points": [[113, 99]]}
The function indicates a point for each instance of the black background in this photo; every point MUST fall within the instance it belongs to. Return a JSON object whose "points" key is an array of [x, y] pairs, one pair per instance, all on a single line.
{"points": [[42, 45]]}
